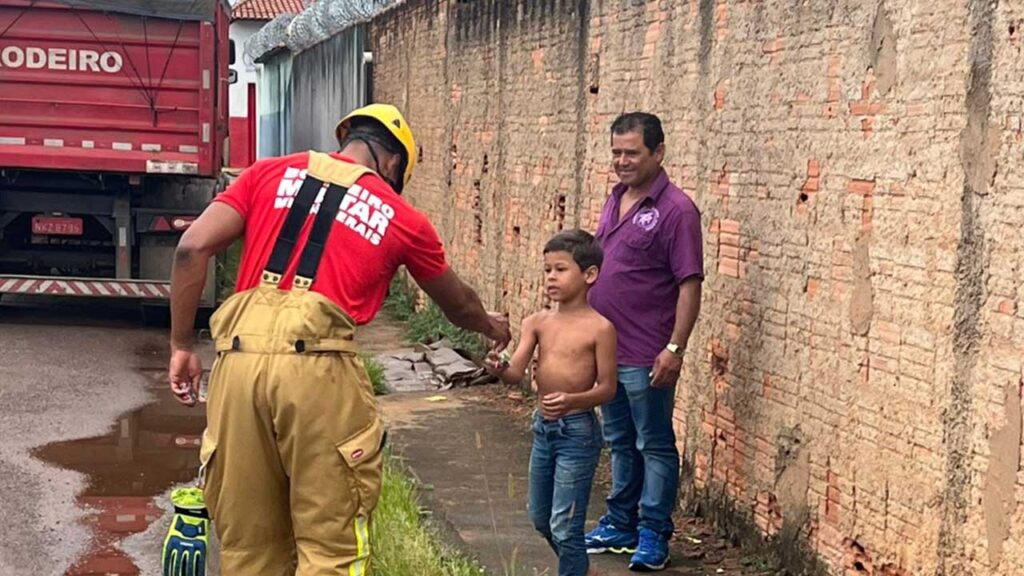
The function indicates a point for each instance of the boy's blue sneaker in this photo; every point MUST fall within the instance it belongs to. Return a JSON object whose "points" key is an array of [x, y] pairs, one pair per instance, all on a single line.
{"points": [[651, 553], [608, 538]]}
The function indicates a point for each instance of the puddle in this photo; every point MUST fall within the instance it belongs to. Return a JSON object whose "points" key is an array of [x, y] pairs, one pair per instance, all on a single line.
{"points": [[147, 452]]}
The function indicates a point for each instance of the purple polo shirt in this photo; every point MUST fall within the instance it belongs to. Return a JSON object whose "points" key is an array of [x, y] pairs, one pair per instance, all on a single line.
{"points": [[647, 255]]}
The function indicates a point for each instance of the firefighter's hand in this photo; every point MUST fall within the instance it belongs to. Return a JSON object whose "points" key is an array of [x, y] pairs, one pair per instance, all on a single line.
{"points": [[185, 372], [499, 331]]}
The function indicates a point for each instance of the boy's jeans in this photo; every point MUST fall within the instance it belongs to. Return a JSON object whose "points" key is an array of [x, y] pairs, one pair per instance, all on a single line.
{"points": [[645, 459], [565, 455]]}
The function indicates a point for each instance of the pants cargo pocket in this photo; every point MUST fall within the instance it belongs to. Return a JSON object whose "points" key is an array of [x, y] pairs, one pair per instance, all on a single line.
{"points": [[206, 451], [364, 456]]}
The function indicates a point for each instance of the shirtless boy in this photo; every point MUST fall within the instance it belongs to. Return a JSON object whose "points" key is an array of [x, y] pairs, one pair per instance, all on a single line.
{"points": [[575, 372]]}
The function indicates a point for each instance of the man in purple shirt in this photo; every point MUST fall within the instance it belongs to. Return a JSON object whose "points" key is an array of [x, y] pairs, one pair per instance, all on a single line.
{"points": [[649, 288]]}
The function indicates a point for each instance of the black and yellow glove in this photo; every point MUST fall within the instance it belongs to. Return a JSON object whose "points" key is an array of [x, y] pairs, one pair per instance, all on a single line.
{"points": [[185, 548]]}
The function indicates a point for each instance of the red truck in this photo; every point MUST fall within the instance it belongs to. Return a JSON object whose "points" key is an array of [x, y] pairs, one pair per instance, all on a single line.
{"points": [[113, 117]]}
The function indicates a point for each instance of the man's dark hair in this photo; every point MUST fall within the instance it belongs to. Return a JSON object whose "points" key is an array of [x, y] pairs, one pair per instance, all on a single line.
{"points": [[583, 247], [647, 124], [370, 130]]}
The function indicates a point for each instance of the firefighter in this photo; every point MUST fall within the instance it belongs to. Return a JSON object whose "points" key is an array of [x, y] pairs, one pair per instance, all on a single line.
{"points": [[291, 457]]}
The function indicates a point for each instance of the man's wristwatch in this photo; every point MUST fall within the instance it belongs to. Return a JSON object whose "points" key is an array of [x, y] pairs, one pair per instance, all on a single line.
{"points": [[675, 349]]}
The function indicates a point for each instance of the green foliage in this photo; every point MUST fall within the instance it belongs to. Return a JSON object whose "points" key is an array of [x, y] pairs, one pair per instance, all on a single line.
{"points": [[375, 371], [428, 324], [403, 545], [227, 270], [399, 303]]}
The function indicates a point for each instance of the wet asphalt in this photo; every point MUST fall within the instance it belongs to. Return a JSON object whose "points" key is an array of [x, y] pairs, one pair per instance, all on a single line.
{"points": [[90, 441]]}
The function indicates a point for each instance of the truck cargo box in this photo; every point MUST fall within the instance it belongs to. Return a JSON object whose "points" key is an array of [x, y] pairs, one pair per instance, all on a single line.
{"points": [[83, 88]]}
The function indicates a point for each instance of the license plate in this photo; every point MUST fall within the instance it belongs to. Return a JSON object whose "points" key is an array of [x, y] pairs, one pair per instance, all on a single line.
{"points": [[57, 226]]}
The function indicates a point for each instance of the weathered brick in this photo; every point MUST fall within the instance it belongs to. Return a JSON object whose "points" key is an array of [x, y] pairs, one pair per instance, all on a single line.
{"points": [[728, 251], [729, 226], [729, 267], [888, 332], [870, 262], [861, 187], [866, 109], [812, 287], [729, 239], [813, 168]]}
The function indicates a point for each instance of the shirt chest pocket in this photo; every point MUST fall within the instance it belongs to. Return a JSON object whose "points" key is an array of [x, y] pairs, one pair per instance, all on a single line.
{"points": [[640, 248]]}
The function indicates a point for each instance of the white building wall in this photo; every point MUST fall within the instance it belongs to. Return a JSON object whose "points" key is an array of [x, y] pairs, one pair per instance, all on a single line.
{"points": [[240, 31]]}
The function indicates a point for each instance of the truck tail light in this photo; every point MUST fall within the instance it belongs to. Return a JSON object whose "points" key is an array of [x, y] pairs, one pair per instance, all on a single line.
{"points": [[181, 223], [171, 223]]}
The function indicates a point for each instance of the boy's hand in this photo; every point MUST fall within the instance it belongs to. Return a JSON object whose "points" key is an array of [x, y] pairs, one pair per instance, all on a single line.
{"points": [[496, 363], [556, 404]]}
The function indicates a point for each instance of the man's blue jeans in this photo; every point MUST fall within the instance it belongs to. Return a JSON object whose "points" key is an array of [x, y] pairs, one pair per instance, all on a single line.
{"points": [[645, 459], [562, 465]]}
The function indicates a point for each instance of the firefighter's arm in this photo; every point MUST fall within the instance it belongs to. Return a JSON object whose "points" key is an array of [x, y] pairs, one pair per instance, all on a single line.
{"points": [[215, 229], [461, 304]]}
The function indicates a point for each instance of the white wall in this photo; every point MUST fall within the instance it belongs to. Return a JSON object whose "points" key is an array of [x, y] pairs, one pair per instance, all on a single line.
{"points": [[240, 31]]}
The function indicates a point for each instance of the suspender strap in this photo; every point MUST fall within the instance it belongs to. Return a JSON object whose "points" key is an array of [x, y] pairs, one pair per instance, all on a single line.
{"points": [[293, 223], [313, 252], [321, 169]]}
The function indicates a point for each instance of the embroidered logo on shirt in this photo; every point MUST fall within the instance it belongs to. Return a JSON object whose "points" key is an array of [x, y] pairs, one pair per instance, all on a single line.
{"points": [[647, 218], [361, 211]]}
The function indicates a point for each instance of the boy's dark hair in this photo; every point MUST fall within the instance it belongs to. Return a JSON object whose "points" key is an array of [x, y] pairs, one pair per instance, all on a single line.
{"points": [[647, 124], [585, 250], [370, 130]]}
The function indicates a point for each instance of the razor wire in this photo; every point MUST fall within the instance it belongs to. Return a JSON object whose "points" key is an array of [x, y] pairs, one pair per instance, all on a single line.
{"points": [[317, 23]]}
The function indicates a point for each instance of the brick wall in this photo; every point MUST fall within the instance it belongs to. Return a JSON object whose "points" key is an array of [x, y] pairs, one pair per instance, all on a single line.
{"points": [[854, 382]]}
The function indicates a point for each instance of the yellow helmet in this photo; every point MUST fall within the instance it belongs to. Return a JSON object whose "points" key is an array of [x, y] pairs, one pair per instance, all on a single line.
{"points": [[392, 119]]}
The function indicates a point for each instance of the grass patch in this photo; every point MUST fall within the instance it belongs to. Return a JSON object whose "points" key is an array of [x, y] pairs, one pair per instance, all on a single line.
{"points": [[762, 563], [376, 373], [399, 304], [428, 324], [402, 544], [227, 270]]}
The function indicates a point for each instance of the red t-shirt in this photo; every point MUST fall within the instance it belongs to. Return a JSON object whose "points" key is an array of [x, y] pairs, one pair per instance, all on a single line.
{"points": [[376, 231]]}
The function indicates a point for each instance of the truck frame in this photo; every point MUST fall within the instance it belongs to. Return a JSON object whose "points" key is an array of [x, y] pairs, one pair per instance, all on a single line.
{"points": [[113, 119]]}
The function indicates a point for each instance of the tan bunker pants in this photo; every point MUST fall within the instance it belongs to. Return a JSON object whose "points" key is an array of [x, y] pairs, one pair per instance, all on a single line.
{"points": [[292, 452]]}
